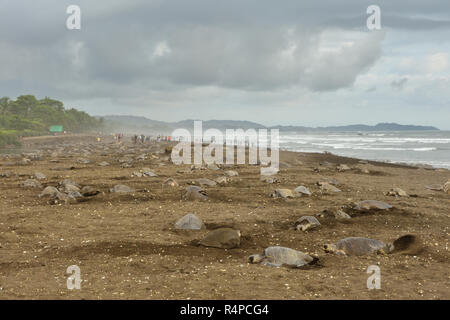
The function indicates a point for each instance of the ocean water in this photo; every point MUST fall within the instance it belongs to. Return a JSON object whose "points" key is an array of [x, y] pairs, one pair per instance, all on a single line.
{"points": [[418, 147]]}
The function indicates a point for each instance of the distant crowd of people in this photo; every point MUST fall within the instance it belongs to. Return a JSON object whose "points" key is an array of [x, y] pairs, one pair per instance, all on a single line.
{"points": [[142, 138]]}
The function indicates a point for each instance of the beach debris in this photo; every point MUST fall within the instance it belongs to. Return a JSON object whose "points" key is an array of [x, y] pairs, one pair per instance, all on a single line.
{"points": [[194, 193], [302, 191], [190, 222], [224, 238], [368, 205], [277, 256], [306, 223], [103, 164]]}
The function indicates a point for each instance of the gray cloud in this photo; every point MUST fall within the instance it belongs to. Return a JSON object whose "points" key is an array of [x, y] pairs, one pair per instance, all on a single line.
{"points": [[399, 84], [146, 53]]}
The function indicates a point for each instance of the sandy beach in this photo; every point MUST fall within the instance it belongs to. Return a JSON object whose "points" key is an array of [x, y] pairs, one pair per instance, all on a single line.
{"points": [[127, 247]]}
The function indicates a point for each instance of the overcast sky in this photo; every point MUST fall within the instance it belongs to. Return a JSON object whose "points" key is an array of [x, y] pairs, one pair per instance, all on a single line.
{"points": [[295, 62]]}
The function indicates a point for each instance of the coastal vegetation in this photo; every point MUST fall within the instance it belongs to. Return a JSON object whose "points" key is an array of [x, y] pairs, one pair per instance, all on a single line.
{"points": [[28, 116]]}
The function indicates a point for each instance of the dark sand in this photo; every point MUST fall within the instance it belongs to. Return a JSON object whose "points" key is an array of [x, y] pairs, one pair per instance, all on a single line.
{"points": [[127, 248]]}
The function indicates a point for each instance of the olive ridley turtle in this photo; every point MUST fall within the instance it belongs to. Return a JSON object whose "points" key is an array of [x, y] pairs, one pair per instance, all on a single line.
{"points": [[282, 256]]}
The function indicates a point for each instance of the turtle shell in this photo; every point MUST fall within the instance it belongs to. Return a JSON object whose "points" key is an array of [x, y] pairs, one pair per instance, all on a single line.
{"points": [[372, 205], [282, 256], [359, 246], [224, 238]]}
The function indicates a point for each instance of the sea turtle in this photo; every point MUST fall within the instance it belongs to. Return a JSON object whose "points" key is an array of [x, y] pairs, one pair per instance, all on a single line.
{"points": [[170, 182], [343, 167], [190, 222], [302, 190], [224, 238], [147, 172], [282, 256], [368, 205], [49, 192], [341, 215], [88, 191], [306, 223], [435, 187], [283, 193], [31, 183], [396, 192], [231, 173], [331, 181], [6, 174], [407, 244], [205, 182], [222, 180], [268, 179], [67, 182], [84, 161], [328, 188], [213, 167], [194, 193], [121, 188], [67, 188], [39, 176], [358, 246]]}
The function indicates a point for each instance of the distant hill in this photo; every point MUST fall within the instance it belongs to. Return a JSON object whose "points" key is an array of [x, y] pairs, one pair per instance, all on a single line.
{"points": [[134, 124]]}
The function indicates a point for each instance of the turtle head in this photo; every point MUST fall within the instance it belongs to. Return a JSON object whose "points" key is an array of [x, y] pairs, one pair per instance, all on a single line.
{"points": [[329, 248], [256, 258], [388, 248]]}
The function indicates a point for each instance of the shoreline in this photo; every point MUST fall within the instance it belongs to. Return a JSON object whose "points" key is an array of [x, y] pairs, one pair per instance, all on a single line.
{"points": [[28, 142]]}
